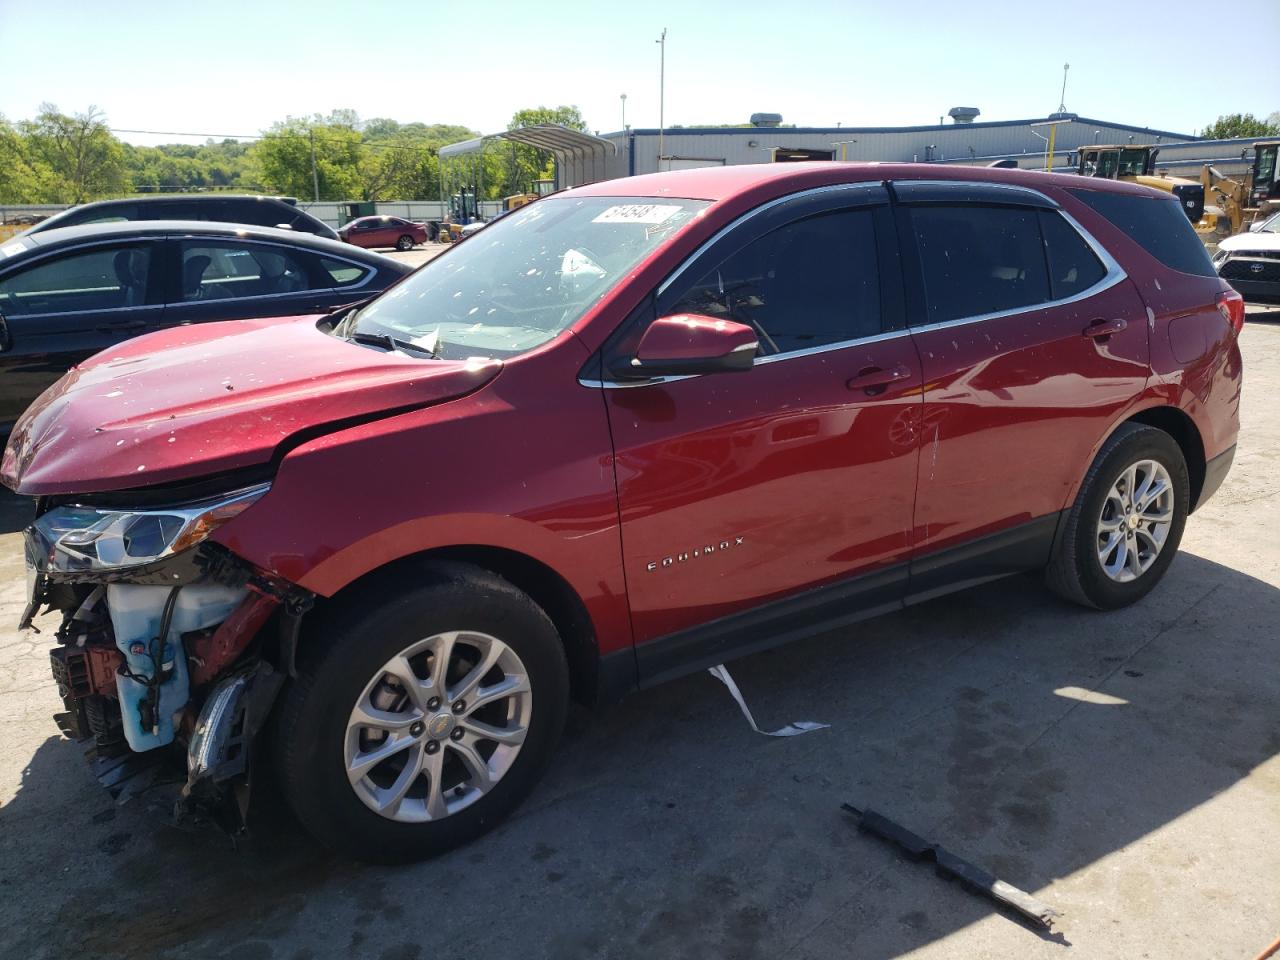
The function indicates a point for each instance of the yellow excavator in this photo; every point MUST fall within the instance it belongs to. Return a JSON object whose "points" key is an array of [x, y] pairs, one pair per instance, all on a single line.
{"points": [[517, 200], [1254, 197], [1136, 163]]}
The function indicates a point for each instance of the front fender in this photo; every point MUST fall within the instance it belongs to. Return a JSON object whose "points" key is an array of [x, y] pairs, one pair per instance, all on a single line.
{"points": [[522, 466]]}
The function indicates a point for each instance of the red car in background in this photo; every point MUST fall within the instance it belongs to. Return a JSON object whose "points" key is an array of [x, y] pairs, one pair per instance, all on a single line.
{"points": [[385, 231], [649, 425]]}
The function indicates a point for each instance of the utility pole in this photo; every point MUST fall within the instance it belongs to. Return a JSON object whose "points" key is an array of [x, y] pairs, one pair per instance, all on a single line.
{"points": [[315, 175], [662, 90], [624, 111]]}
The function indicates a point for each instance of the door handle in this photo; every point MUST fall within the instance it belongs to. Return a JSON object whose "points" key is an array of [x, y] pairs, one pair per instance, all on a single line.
{"points": [[1101, 329], [874, 379], [117, 327]]}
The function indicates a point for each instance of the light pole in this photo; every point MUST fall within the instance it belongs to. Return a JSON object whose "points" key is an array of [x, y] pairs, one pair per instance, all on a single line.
{"points": [[624, 111], [1062, 101], [662, 90]]}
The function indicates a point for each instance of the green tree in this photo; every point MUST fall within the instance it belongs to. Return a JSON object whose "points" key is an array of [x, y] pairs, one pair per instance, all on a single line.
{"points": [[23, 179], [1241, 125], [86, 160], [281, 160]]}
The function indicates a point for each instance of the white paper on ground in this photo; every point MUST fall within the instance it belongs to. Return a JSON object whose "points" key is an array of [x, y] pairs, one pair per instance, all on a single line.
{"points": [[790, 730]]}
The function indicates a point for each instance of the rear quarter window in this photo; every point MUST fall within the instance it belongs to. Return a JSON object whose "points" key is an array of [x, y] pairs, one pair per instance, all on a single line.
{"points": [[1159, 226]]}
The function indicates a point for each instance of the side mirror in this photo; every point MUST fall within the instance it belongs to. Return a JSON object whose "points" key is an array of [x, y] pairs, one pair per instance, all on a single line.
{"points": [[690, 343]]}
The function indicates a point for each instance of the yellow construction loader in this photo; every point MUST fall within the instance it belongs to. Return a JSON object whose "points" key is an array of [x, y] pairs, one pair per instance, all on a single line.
{"points": [[1136, 163], [1254, 197]]}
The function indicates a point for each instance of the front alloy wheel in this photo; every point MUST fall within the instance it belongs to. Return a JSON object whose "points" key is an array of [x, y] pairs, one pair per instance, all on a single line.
{"points": [[426, 707], [438, 726]]}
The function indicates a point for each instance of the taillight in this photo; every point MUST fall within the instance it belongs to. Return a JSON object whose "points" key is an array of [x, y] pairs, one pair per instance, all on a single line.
{"points": [[1231, 306]]}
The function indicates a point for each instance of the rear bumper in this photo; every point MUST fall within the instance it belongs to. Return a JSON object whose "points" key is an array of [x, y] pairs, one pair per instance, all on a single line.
{"points": [[1215, 471]]}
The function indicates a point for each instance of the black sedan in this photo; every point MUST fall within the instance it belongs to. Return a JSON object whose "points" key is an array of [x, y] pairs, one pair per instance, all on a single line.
{"points": [[66, 294]]}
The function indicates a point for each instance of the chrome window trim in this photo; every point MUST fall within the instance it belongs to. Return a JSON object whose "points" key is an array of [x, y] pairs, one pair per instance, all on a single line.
{"points": [[832, 189], [246, 241], [1114, 275]]}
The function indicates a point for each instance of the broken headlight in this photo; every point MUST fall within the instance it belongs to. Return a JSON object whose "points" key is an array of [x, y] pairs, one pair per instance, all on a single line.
{"points": [[86, 539]]}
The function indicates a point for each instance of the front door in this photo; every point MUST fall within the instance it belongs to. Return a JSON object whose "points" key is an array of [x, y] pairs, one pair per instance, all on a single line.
{"points": [[741, 488], [64, 308]]}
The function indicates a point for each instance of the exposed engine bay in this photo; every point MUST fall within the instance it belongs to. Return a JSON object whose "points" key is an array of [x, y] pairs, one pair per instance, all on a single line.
{"points": [[166, 659]]}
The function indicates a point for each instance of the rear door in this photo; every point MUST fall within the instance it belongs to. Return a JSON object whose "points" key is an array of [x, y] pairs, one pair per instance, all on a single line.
{"points": [[741, 488], [65, 307], [229, 279], [1032, 341]]}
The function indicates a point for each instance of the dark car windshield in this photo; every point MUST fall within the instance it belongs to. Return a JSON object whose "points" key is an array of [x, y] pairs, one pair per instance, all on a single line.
{"points": [[524, 279]]}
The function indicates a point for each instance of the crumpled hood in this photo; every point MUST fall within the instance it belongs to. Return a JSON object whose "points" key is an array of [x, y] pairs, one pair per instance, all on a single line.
{"points": [[192, 401]]}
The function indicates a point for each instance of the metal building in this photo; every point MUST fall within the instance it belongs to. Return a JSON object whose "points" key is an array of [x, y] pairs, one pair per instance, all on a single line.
{"points": [[583, 158], [960, 141]]}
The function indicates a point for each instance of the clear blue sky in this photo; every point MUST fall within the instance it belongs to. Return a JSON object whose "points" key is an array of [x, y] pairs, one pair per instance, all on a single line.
{"points": [[233, 67]]}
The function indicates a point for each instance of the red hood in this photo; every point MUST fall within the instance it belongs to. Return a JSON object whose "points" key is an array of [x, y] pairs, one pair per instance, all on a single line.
{"points": [[200, 400]]}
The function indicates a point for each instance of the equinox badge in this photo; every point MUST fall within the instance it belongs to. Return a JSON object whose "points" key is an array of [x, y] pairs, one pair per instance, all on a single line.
{"points": [[687, 555]]}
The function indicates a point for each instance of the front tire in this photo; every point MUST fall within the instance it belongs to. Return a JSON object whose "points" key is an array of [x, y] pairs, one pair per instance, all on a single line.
{"points": [[422, 716], [1127, 522], [405, 243]]}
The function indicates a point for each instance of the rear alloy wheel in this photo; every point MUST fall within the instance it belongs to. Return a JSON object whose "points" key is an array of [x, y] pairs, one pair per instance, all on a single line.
{"points": [[1136, 517], [422, 714], [1120, 536], [405, 243]]}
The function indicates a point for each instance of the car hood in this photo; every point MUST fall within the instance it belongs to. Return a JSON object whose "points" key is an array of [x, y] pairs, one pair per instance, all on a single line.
{"points": [[1262, 240], [199, 400]]}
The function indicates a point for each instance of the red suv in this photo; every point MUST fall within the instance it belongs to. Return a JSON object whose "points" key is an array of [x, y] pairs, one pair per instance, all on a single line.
{"points": [[631, 431]]}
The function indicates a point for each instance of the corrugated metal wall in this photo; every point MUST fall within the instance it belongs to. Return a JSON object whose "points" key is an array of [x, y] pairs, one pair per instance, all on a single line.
{"points": [[638, 150]]}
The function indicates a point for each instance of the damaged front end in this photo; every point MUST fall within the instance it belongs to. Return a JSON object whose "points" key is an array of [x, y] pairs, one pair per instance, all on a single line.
{"points": [[164, 658]]}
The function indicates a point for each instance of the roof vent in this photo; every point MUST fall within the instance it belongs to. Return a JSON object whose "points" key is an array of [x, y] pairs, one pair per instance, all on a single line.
{"points": [[963, 114], [766, 119]]}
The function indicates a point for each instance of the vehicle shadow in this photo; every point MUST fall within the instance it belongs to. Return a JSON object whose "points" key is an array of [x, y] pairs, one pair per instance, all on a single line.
{"points": [[1026, 735]]}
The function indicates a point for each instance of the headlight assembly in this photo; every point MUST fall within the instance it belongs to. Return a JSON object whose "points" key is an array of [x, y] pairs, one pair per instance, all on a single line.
{"points": [[76, 539]]}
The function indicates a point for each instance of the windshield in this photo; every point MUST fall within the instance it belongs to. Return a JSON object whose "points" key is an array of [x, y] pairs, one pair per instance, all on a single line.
{"points": [[1270, 226], [524, 279]]}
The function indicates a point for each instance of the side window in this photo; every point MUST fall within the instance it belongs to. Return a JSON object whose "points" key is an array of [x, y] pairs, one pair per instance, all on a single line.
{"points": [[977, 260], [807, 284], [1073, 266], [343, 272], [220, 270], [114, 214], [99, 279], [1158, 225]]}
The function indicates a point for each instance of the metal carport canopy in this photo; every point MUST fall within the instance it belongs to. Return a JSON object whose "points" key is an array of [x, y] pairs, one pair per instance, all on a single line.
{"points": [[572, 150]]}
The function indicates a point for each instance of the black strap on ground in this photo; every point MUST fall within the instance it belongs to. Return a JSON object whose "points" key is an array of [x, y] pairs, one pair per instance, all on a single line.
{"points": [[950, 866]]}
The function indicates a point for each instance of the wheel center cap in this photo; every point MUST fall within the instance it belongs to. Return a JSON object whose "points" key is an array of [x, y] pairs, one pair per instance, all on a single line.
{"points": [[440, 726], [1133, 521]]}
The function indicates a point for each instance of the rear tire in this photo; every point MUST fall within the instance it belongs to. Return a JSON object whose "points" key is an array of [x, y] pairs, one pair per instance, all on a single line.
{"points": [[464, 783], [405, 243], [1121, 534]]}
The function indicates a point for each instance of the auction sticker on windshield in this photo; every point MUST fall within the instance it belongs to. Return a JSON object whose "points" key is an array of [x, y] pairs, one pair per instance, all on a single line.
{"points": [[650, 213]]}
